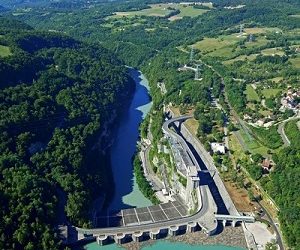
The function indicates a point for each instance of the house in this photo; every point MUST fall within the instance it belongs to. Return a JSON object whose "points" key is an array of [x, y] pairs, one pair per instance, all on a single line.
{"points": [[218, 147], [267, 165]]}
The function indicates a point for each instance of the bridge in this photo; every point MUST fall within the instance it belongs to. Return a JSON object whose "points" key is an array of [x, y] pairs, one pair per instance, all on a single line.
{"points": [[205, 217]]}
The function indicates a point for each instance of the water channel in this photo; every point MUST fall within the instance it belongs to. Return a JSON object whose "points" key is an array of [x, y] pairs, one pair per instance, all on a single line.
{"points": [[127, 193]]}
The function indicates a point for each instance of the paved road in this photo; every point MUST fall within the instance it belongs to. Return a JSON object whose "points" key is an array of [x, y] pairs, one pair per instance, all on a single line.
{"points": [[281, 131], [203, 213], [152, 226], [277, 231]]}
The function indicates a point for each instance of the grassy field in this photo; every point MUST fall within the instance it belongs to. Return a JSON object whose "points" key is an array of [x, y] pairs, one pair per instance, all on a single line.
{"points": [[4, 51], [221, 46], [265, 113], [277, 79], [261, 30], [226, 46], [241, 58], [259, 41], [190, 11], [251, 93], [295, 62], [270, 92], [273, 51], [253, 145], [162, 10]]}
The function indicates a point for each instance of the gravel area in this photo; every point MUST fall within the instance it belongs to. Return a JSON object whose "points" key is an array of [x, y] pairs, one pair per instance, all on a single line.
{"points": [[229, 237]]}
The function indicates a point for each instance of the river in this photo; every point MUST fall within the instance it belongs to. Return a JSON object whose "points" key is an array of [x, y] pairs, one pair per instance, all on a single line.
{"points": [[127, 193]]}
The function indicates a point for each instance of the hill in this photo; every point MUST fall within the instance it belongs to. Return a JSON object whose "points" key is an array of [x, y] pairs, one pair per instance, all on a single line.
{"points": [[56, 96]]}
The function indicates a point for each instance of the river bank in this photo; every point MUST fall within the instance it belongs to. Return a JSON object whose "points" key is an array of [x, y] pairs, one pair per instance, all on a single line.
{"points": [[128, 195]]}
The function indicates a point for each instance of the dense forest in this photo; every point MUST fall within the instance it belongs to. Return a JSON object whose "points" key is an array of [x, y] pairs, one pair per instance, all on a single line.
{"points": [[56, 96], [57, 92]]}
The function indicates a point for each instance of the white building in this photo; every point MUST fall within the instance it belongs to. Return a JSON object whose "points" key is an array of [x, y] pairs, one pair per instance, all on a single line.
{"points": [[218, 147]]}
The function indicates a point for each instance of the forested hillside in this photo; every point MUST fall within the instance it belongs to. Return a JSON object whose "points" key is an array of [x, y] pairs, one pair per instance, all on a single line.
{"points": [[56, 96], [57, 91]]}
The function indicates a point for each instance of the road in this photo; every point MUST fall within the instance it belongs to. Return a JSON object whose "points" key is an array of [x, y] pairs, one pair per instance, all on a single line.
{"points": [[202, 216], [286, 143], [153, 226], [281, 131], [277, 231]]}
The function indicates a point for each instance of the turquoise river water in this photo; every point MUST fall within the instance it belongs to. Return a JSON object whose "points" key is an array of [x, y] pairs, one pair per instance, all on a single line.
{"points": [[127, 193]]}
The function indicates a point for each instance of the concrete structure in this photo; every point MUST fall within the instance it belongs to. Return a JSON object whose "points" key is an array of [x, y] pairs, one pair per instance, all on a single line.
{"points": [[205, 215], [102, 239], [154, 234]]}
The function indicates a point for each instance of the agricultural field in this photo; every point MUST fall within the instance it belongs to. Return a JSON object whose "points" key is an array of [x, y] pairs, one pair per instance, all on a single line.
{"points": [[162, 10], [4, 51]]}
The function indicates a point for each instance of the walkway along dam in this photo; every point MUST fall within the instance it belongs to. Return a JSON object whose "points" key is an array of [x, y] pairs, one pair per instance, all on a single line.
{"points": [[170, 218]]}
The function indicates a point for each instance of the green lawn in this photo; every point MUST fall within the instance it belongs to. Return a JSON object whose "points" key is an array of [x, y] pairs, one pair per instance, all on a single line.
{"points": [[270, 92], [4, 51], [251, 93]]}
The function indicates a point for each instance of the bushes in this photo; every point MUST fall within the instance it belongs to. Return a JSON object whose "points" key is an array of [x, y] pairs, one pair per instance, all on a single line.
{"points": [[142, 182], [268, 137]]}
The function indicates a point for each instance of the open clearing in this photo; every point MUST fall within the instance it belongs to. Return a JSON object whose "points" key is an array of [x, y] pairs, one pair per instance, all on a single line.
{"points": [[221, 46], [239, 197], [251, 93], [270, 92], [295, 62], [4, 51], [273, 51], [261, 30], [296, 16], [241, 58], [227, 46], [162, 10]]}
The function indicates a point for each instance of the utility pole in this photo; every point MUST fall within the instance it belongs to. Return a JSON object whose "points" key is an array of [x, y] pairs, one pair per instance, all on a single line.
{"points": [[241, 29], [251, 38]]}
